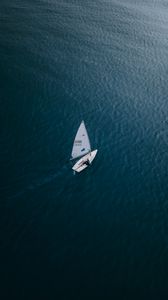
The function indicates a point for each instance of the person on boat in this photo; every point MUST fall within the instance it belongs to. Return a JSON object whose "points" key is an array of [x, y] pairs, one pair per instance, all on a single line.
{"points": [[87, 162]]}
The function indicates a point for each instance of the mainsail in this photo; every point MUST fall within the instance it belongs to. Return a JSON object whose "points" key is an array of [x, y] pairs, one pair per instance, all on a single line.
{"points": [[81, 144]]}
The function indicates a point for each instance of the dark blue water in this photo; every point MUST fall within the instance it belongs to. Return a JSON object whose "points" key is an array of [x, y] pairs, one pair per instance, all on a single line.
{"points": [[102, 234]]}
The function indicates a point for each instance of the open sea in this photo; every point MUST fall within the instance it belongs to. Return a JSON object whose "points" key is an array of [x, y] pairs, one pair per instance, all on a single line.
{"points": [[103, 233]]}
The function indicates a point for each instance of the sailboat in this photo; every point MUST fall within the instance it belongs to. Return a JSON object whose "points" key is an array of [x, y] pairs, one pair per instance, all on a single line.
{"points": [[82, 148]]}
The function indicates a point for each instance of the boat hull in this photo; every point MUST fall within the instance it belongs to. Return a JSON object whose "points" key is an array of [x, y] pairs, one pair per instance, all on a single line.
{"points": [[80, 165]]}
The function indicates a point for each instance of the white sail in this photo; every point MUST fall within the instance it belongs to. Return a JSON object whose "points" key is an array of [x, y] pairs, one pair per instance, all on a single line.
{"points": [[81, 144]]}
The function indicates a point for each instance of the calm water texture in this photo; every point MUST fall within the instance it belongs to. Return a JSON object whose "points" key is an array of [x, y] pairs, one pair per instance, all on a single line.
{"points": [[104, 232]]}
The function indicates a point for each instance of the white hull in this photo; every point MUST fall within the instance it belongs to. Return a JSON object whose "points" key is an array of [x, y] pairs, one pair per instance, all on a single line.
{"points": [[80, 165]]}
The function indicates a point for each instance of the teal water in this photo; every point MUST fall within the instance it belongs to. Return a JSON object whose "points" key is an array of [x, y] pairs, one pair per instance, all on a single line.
{"points": [[102, 234]]}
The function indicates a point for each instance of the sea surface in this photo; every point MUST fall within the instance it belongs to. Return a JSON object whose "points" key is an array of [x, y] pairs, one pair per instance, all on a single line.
{"points": [[101, 234]]}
